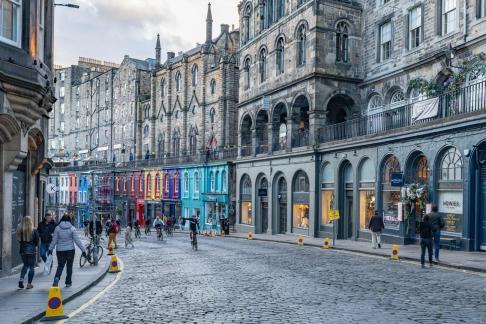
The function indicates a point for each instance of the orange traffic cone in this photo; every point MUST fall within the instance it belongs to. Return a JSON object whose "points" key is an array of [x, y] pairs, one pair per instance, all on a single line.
{"points": [[54, 309], [114, 267]]}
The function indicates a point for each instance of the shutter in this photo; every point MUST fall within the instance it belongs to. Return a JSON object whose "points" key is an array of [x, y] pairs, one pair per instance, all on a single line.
{"points": [[378, 48], [438, 18], [422, 16], [406, 24]]}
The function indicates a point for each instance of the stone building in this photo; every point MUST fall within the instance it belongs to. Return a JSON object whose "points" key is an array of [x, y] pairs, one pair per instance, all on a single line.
{"points": [[362, 106], [194, 97], [26, 98], [80, 123]]}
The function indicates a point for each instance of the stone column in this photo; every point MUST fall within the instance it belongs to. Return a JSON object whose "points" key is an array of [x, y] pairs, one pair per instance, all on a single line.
{"points": [[253, 140], [290, 128], [270, 137]]}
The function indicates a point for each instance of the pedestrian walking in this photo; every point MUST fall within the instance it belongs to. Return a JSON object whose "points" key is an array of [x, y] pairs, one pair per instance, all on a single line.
{"points": [[29, 239], [376, 226], [426, 240], [46, 230], [128, 236], [112, 231], [64, 238], [437, 224]]}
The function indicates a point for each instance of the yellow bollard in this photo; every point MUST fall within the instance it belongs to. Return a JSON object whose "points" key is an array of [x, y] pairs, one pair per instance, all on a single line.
{"points": [[110, 250], [394, 254], [250, 236], [114, 267], [325, 243], [54, 309], [300, 240]]}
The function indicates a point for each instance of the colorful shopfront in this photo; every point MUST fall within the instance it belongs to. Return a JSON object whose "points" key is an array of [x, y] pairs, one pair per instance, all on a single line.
{"points": [[192, 184], [82, 207], [215, 196], [153, 193], [171, 198], [136, 203], [120, 195]]}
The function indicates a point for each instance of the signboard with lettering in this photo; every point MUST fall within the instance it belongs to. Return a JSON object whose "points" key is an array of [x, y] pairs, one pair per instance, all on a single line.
{"points": [[396, 179], [391, 221], [450, 202], [333, 214]]}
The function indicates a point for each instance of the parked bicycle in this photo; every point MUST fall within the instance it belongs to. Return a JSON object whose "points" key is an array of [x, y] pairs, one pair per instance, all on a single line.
{"points": [[90, 252]]}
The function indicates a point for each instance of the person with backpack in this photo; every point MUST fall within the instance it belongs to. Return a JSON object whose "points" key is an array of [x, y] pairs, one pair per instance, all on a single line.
{"points": [[63, 240], [437, 224], [46, 229], [29, 239]]}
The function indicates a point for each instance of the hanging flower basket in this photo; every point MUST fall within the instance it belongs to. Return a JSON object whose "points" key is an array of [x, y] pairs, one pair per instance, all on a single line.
{"points": [[414, 193]]}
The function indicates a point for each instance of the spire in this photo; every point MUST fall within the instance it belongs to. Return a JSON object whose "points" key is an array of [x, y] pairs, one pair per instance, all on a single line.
{"points": [[158, 51], [209, 25]]}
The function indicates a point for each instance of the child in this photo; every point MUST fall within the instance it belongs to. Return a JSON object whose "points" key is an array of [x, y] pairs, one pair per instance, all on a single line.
{"points": [[128, 236]]}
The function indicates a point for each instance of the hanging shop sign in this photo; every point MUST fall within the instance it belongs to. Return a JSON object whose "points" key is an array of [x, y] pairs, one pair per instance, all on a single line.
{"points": [[396, 179]]}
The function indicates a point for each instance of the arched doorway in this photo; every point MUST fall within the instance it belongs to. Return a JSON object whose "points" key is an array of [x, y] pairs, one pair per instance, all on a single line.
{"points": [[480, 199], [262, 198], [345, 224], [367, 198], [337, 112], [300, 122], [280, 204], [246, 213], [417, 178], [262, 132], [246, 136], [279, 127], [300, 203]]}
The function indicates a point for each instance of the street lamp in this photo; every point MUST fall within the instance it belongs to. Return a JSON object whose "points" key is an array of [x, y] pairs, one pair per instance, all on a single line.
{"points": [[70, 5]]}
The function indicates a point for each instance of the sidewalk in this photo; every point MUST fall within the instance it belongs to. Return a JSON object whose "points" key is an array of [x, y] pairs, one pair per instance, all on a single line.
{"points": [[25, 306], [472, 261]]}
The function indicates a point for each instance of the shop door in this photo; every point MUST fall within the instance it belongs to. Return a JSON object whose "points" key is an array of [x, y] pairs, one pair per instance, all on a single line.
{"points": [[264, 213], [482, 204], [282, 218], [18, 211], [345, 223]]}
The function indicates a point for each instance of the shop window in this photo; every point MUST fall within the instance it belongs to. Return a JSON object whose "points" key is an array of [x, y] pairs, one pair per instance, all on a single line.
{"points": [[245, 201], [212, 181], [149, 184], [186, 182], [451, 166], [157, 184], [327, 192], [391, 195], [196, 182], [367, 199], [300, 201], [223, 181]]}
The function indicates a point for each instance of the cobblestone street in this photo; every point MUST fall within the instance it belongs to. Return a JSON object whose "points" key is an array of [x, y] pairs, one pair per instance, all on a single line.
{"points": [[230, 280]]}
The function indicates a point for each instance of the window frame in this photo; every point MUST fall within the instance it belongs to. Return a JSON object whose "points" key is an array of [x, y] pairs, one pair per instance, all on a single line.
{"points": [[18, 42], [444, 14], [415, 31], [386, 47]]}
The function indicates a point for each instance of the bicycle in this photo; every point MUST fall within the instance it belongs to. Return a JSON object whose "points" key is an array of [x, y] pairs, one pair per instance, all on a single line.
{"points": [[138, 234], [90, 253], [147, 230], [194, 241], [160, 235]]}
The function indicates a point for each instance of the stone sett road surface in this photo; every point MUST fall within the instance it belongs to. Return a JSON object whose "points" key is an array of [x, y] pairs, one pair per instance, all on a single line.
{"points": [[240, 281]]}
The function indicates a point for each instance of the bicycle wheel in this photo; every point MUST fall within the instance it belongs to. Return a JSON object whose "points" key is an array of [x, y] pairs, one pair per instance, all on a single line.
{"points": [[83, 260], [100, 252]]}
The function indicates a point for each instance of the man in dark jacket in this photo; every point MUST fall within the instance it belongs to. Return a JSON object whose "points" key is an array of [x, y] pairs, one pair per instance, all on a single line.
{"points": [[425, 240], [45, 230], [376, 225], [437, 224]]}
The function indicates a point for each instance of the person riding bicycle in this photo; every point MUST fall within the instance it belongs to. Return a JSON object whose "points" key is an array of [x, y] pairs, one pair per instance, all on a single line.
{"points": [[147, 226], [158, 224], [193, 226]]}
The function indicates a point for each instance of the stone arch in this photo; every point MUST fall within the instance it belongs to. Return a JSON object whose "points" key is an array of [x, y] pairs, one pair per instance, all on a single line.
{"points": [[415, 169], [278, 38], [279, 116], [339, 108], [302, 22], [246, 132], [261, 126], [351, 25], [299, 127], [9, 127]]}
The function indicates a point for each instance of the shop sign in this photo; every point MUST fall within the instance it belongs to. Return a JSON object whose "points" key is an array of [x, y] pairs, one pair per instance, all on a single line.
{"points": [[333, 214], [396, 179], [262, 192], [450, 202], [391, 222]]}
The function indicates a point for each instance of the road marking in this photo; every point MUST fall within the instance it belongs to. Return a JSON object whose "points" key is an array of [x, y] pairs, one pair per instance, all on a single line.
{"points": [[95, 298]]}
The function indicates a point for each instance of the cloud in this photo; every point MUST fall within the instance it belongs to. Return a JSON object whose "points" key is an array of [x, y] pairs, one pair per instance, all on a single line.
{"points": [[109, 29]]}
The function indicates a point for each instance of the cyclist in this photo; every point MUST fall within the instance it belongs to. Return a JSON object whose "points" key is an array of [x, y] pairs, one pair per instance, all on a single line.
{"points": [[147, 226], [193, 226], [137, 228], [158, 225]]}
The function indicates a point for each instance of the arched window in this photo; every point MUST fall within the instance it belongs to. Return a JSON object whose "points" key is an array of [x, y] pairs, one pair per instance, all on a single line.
{"points": [[391, 165], [280, 56], [157, 183], [246, 209], [397, 99], [342, 42], [176, 141], [149, 184], [301, 43], [212, 115], [263, 65], [147, 112], [301, 183], [247, 24], [223, 181], [186, 182], [166, 183], [196, 182], [247, 73], [193, 141], [451, 165], [178, 81], [176, 182], [300, 201], [146, 131], [375, 103], [213, 86], [162, 88], [194, 75], [216, 181]]}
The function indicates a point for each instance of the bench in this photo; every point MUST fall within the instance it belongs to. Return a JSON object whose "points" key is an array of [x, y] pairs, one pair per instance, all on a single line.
{"points": [[450, 242]]}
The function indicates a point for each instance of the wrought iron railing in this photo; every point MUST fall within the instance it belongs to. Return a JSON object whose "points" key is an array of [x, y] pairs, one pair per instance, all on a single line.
{"points": [[300, 138], [453, 103]]}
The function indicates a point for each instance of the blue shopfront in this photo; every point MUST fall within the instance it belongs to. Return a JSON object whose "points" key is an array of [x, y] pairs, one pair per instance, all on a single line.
{"points": [[215, 196], [171, 198], [191, 197], [82, 207]]}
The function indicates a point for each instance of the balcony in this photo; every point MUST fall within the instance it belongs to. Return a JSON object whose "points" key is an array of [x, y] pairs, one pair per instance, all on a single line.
{"points": [[300, 138], [455, 103]]}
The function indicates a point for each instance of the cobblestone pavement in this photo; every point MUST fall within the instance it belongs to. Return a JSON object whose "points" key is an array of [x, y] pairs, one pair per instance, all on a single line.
{"points": [[239, 281]]}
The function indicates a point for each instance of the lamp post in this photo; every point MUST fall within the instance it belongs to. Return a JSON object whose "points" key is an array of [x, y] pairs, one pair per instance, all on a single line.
{"points": [[69, 5]]}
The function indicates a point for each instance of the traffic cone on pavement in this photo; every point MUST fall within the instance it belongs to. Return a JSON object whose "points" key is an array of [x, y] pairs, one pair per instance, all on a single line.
{"points": [[110, 249], [54, 309], [114, 267]]}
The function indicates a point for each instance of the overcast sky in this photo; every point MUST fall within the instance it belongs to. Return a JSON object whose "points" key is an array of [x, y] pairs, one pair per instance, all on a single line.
{"points": [[109, 29]]}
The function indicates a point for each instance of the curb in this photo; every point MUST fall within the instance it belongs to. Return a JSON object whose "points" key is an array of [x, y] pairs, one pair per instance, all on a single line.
{"points": [[87, 286], [415, 260]]}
